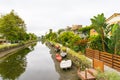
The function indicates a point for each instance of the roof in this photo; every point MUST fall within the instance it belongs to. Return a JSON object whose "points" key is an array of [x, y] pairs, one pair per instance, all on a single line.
{"points": [[114, 15], [76, 27]]}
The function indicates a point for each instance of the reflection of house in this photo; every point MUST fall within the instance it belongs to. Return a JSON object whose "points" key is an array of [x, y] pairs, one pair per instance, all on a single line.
{"points": [[115, 18]]}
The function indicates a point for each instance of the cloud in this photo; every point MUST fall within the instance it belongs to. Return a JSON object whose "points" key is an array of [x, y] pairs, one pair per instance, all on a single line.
{"points": [[41, 15]]}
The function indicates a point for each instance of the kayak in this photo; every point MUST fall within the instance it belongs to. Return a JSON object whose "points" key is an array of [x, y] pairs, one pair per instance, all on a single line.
{"points": [[58, 57]]}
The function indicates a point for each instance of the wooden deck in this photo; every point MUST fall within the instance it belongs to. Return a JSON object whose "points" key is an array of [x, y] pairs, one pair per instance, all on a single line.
{"points": [[88, 74]]}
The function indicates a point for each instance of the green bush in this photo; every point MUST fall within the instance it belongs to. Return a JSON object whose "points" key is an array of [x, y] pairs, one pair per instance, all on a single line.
{"points": [[63, 49], [95, 42], [107, 76], [80, 60]]}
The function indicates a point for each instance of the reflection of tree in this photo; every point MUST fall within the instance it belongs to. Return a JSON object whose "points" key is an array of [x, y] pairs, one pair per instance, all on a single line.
{"points": [[31, 47], [13, 66]]}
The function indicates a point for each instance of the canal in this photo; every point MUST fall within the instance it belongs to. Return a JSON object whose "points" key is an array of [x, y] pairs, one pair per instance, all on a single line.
{"points": [[32, 63]]}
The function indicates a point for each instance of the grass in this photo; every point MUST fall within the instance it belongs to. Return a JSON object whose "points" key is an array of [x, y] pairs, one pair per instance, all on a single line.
{"points": [[7, 45], [108, 75]]}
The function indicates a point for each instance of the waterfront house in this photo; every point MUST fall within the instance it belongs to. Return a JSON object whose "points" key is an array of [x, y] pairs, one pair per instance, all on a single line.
{"points": [[115, 18]]}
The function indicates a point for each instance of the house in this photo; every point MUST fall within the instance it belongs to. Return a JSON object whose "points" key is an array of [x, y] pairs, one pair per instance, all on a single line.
{"points": [[76, 27], [115, 18], [2, 41], [93, 32]]}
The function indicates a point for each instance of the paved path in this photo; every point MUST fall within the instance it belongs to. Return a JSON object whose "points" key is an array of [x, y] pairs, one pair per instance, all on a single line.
{"points": [[107, 68]]}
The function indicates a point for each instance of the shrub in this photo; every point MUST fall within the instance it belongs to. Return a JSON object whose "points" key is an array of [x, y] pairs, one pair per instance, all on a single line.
{"points": [[95, 42], [107, 76], [63, 49], [80, 60]]}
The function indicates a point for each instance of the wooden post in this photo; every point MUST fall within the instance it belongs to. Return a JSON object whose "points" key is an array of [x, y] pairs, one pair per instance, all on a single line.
{"points": [[86, 73]]}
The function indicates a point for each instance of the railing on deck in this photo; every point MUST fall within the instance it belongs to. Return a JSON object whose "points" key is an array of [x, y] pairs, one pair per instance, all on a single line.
{"points": [[110, 60]]}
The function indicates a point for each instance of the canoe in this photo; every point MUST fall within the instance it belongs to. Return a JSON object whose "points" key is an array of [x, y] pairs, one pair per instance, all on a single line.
{"points": [[64, 64], [58, 57]]}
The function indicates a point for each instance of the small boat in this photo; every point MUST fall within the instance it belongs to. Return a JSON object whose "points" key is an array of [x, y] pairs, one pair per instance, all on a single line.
{"points": [[63, 54], [58, 57], [64, 64], [57, 48]]}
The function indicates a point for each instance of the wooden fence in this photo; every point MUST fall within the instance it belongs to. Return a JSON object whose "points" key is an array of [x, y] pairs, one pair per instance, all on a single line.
{"points": [[110, 60]]}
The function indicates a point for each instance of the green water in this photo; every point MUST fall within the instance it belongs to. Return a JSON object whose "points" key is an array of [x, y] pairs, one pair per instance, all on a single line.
{"points": [[32, 63]]}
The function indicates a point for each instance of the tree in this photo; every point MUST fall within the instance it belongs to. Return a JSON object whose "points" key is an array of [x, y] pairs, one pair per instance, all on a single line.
{"points": [[69, 38], [32, 36], [99, 24], [60, 30], [52, 36], [12, 27], [115, 39]]}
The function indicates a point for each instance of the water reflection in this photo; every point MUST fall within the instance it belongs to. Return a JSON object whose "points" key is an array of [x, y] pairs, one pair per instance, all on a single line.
{"points": [[14, 65], [32, 63]]}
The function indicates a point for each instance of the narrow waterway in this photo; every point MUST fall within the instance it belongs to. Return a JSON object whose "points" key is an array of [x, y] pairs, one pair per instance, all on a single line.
{"points": [[32, 63]]}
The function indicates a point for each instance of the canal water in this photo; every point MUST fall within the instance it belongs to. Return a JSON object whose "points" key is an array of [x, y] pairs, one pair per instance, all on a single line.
{"points": [[32, 63]]}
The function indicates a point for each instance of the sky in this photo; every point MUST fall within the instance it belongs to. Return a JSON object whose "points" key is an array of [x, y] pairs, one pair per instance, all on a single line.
{"points": [[42, 15]]}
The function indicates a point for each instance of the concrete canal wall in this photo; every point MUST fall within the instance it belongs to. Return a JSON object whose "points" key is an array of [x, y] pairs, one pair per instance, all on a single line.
{"points": [[14, 49]]}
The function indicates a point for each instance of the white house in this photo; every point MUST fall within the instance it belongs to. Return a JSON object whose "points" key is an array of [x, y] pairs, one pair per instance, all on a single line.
{"points": [[115, 18]]}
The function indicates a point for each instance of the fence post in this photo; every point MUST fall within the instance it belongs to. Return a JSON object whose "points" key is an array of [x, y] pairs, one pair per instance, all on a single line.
{"points": [[99, 55], [112, 59], [93, 53]]}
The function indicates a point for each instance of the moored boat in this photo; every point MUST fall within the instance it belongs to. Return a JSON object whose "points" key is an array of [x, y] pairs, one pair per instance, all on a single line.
{"points": [[63, 54], [64, 64], [58, 57]]}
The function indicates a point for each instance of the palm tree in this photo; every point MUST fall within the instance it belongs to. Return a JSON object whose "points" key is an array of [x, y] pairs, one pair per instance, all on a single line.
{"points": [[99, 24]]}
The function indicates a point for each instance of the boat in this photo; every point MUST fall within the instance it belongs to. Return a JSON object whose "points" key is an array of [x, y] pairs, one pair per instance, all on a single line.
{"points": [[64, 64], [57, 48], [63, 54], [58, 57]]}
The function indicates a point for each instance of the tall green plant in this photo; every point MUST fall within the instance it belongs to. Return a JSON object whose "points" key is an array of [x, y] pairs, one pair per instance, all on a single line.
{"points": [[99, 24], [115, 38], [95, 42], [52, 36]]}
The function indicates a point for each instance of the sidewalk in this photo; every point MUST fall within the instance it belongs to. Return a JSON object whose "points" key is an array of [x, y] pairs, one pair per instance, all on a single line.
{"points": [[107, 68]]}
